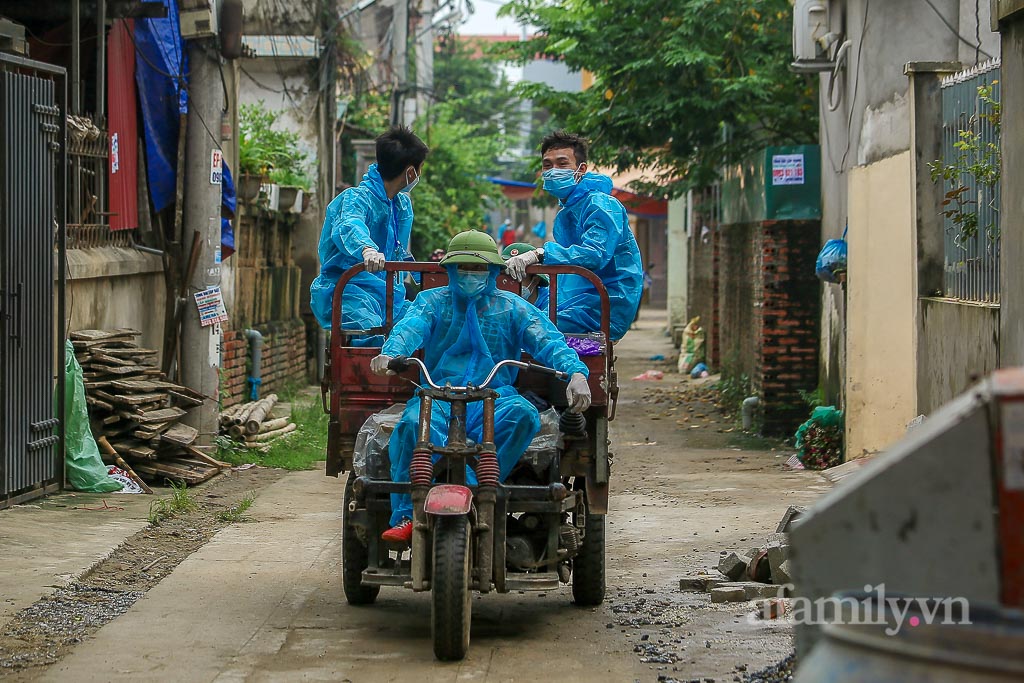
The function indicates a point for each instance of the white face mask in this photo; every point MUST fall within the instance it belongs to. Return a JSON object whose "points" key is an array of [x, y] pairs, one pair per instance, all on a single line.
{"points": [[408, 188], [471, 283]]}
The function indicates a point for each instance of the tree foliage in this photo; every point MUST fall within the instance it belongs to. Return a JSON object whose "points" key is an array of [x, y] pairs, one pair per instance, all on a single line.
{"points": [[454, 194], [684, 85]]}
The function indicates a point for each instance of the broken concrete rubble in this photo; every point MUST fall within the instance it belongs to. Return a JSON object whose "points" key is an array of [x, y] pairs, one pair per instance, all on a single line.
{"points": [[728, 594], [777, 554], [765, 569], [732, 565], [794, 513], [782, 574]]}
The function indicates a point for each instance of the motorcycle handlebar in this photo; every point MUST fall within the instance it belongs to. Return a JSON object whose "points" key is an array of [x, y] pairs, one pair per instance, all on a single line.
{"points": [[401, 364]]}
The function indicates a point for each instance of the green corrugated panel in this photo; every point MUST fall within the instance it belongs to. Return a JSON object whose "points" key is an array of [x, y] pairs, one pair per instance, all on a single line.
{"points": [[779, 183]]}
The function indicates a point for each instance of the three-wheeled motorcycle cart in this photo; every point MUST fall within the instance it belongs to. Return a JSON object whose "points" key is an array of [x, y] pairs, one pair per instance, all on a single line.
{"points": [[545, 524]]}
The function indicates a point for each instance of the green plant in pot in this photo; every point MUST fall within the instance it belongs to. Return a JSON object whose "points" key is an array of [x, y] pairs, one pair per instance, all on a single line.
{"points": [[291, 181], [262, 149]]}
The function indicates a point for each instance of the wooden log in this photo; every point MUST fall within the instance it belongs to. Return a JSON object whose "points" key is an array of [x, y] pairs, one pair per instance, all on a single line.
{"points": [[275, 424], [259, 413], [119, 461], [242, 416], [270, 436]]}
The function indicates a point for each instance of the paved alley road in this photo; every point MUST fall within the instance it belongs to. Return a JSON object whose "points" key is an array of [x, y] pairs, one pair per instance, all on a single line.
{"points": [[263, 601]]}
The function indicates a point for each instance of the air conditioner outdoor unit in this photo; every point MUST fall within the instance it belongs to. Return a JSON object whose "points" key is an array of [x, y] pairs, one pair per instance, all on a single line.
{"points": [[811, 36]]}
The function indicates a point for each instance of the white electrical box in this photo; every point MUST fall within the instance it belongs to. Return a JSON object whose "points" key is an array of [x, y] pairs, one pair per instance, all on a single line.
{"points": [[200, 22], [811, 35]]}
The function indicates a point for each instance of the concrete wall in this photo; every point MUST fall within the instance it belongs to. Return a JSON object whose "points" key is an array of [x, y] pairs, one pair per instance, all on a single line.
{"points": [[704, 250], [870, 121], [740, 266], [881, 388], [1011, 348], [958, 345], [677, 265], [111, 287]]}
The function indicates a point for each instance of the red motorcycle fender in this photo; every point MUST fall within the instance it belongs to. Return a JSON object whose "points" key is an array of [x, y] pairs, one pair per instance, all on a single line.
{"points": [[446, 500]]}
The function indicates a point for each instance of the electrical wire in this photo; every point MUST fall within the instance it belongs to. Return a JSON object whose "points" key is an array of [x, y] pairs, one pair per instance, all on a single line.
{"points": [[953, 29], [856, 84]]}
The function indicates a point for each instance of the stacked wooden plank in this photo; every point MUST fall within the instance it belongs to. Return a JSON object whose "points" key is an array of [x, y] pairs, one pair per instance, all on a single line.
{"points": [[135, 411], [254, 423]]}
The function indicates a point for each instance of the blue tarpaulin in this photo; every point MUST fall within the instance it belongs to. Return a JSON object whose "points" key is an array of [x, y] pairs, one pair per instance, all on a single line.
{"points": [[160, 68], [228, 205]]}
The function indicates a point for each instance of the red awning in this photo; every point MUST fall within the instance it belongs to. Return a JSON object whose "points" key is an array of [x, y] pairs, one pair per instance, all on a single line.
{"points": [[645, 207]]}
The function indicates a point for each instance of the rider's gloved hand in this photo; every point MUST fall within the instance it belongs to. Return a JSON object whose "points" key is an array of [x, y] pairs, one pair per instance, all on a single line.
{"points": [[578, 393], [517, 265], [379, 366], [373, 259]]}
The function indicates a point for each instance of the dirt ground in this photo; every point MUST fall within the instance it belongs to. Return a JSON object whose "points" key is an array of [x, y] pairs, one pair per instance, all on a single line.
{"points": [[262, 601]]}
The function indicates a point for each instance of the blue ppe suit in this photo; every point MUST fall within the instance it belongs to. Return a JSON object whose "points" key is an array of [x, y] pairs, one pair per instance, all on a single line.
{"points": [[361, 217], [463, 339], [592, 230]]}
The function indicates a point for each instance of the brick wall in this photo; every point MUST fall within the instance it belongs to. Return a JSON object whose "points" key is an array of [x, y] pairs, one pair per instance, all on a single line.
{"points": [[768, 305], [789, 316], [283, 362]]}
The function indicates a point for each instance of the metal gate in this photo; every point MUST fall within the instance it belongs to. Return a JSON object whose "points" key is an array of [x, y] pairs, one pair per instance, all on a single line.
{"points": [[32, 191]]}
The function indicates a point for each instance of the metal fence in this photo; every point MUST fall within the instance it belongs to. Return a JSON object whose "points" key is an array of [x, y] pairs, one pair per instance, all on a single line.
{"points": [[88, 217], [971, 255]]}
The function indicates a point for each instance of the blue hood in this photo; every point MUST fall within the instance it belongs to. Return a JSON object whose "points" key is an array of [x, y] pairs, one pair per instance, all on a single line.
{"points": [[590, 182], [375, 183]]}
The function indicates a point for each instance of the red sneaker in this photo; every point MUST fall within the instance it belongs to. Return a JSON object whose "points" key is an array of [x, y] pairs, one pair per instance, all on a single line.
{"points": [[400, 533]]}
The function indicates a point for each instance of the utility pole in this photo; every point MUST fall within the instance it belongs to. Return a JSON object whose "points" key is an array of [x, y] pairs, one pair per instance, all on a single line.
{"points": [[200, 346]]}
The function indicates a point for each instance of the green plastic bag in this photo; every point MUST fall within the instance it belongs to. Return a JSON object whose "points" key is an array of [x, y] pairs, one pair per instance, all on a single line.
{"points": [[820, 439], [83, 465]]}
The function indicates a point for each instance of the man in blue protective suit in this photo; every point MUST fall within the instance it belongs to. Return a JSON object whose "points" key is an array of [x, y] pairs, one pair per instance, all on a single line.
{"points": [[465, 329], [369, 224], [591, 230]]}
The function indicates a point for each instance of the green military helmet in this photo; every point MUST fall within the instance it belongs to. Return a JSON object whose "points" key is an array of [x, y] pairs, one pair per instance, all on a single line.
{"points": [[517, 248], [472, 246]]}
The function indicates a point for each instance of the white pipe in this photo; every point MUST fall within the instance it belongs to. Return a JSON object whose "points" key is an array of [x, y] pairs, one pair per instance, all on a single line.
{"points": [[747, 409]]}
